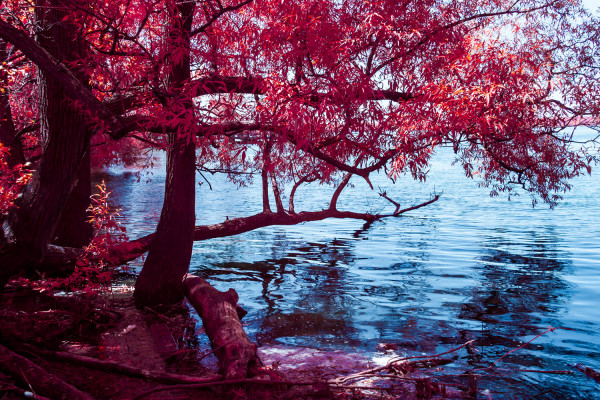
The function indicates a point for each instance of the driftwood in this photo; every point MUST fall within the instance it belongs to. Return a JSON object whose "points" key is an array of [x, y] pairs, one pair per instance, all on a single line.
{"points": [[220, 317], [37, 378]]}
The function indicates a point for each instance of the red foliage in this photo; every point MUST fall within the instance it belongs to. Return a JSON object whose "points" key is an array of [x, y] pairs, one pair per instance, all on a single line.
{"points": [[321, 84], [92, 270], [12, 181]]}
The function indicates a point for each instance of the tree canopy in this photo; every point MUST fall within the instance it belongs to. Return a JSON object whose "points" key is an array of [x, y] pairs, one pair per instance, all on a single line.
{"points": [[281, 92], [291, 92]]}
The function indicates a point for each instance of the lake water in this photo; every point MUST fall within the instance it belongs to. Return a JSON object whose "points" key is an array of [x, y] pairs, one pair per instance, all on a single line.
{"points": [[466, 267]]}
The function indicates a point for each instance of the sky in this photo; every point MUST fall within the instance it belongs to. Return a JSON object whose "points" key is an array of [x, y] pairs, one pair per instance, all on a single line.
{"points": [[591, 5]]}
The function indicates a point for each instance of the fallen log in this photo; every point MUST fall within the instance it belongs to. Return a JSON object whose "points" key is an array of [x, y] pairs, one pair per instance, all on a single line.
{"points": [[220, 317], [37, 378]]}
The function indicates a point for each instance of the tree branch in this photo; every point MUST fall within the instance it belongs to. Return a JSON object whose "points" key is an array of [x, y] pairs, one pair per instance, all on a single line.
{"points": [[385, 196], [338, 191], [307, 179], [76, 90], [264, 176], [277, 195], [216, 15], [56, 256]]}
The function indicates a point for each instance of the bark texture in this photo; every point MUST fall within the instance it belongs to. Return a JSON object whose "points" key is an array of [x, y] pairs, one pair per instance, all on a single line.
{"points": [[8, 136], [74, 228], [171, 247], [28, 229], [220, 318]]}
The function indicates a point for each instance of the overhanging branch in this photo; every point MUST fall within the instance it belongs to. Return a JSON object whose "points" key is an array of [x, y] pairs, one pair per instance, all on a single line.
{"points": [[75, 89], [120, 254]]}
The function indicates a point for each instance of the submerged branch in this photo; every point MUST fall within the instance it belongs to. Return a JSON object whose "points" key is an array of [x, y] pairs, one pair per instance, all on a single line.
{"points": [[393, 362], [122, 253]]}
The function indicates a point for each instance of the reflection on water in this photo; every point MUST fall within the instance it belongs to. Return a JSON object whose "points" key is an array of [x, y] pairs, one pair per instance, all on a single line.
{"points": [[467, 267], [518, 290]]}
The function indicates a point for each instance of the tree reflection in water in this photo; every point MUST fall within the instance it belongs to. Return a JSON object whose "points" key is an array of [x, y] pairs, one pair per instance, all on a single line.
{"points": [[467, 268], [303, 292], [521, 292]]}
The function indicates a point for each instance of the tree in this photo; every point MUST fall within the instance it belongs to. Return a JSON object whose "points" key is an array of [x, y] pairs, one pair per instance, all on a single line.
{"points": [[293, 92], [29, 227], [325, 88], [171, 249]]}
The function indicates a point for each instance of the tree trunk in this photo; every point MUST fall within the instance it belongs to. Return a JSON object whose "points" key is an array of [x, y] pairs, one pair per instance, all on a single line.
{"points": [[29, 227], [221, 320], [8, 135], [160, 281], [74, 229]]}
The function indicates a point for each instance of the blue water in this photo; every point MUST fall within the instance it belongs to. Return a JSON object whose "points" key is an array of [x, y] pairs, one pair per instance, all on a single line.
{"points": [[466, 267]]}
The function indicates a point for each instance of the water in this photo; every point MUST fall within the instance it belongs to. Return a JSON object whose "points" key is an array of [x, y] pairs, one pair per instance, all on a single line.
{"points": [[466, 267]]}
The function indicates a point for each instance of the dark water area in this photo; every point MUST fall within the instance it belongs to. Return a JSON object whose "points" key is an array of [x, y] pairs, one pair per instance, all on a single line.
{"points": [[466, 267]]}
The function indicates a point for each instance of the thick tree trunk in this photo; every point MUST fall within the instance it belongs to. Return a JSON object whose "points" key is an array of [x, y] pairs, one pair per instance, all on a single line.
{"points": [[74, 228], [221, 320], [8, 135], [28, 229], [170, 250], [160, 281]]}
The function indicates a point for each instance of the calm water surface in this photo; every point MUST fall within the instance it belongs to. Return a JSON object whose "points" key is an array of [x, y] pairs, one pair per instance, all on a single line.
{"points": [[466, 267]]}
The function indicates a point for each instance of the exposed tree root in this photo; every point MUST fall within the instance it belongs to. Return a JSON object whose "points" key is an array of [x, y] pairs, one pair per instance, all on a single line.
{"points": [[318, 386], [8, 387], [119, 368], [37, 378]]}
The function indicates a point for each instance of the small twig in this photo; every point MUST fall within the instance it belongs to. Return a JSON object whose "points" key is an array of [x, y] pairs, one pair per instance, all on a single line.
{"points": [[158, 314], [385, 196], [205, 178], [557, 372], [213, 350], [394, 361], [550, 329]]}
